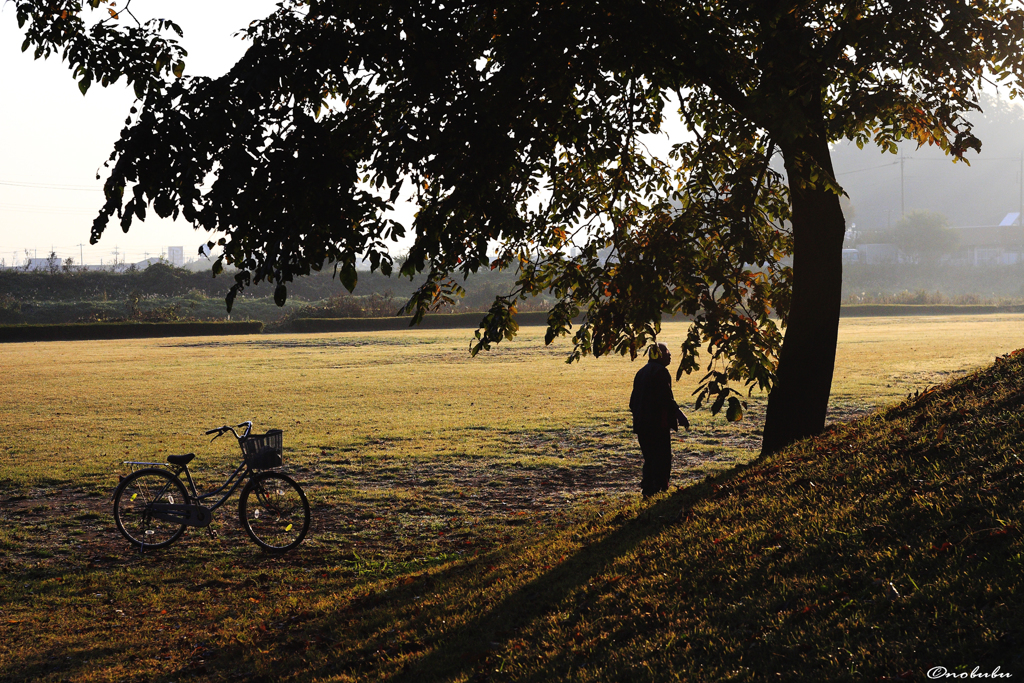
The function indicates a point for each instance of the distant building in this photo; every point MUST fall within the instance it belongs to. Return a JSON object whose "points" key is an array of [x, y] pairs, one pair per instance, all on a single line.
{"points": [[877, 253], [1001, 244], [40, 264], [176, 256], [142, 265]]}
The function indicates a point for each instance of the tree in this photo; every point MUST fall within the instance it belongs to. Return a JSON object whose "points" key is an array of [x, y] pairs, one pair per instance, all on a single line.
{"points": [[520, 124], [925, 236]]}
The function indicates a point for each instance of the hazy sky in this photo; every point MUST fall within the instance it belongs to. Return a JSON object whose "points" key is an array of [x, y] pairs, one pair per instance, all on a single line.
{"points": [[54, 139]]}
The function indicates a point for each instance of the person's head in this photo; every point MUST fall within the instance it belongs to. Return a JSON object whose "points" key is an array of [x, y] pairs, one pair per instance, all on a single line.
{"points": [[661, 354]]}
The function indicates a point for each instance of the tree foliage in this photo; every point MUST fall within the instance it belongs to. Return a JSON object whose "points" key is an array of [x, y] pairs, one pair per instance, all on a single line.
{"points": [[925, 236], [521, 124]]}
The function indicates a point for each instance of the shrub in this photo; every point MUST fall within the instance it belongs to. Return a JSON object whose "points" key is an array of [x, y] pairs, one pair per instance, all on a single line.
{"points": [[123, 330]]}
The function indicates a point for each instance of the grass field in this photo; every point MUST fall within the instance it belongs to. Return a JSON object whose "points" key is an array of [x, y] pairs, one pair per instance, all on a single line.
{"points": [[417, 459]]}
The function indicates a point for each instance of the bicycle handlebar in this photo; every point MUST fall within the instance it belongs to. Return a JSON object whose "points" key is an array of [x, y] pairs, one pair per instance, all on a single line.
{"points": [[219, 431]]}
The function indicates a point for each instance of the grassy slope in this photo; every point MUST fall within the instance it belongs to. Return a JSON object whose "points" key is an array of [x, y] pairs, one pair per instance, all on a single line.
{"points": [[884, 548], [888, 546]]}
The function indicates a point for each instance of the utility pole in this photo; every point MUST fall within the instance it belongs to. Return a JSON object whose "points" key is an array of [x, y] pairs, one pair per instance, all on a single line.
{"points": [[81, 255], [903, 206]]}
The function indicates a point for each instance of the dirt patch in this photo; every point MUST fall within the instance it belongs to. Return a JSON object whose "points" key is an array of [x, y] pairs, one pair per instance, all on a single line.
{"points": [[381, 501]]}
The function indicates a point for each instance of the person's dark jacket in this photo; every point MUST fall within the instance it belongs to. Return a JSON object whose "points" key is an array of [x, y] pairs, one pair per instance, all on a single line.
{"points": [[652, 404]]}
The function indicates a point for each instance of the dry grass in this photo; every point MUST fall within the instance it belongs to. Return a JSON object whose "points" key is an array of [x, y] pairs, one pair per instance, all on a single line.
{"points": [[466, 511]]}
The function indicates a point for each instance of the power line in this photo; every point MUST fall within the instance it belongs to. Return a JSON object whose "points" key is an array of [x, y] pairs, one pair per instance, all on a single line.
{"points": [[869, 168], [28, 208], [51, 186], [910, 158]]}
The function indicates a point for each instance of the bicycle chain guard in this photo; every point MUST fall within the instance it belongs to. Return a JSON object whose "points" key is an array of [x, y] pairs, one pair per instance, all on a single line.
{"points": [[189, 515]]}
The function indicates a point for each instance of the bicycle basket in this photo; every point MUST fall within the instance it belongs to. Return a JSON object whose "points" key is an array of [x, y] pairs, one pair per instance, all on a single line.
{"points": [[263, 451]]}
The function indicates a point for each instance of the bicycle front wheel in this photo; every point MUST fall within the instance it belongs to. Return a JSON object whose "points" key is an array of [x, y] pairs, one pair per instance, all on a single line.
{"points": [[274, 512], [133, 501]]}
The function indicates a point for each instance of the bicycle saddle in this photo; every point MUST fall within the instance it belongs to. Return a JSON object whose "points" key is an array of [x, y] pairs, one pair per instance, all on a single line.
{"points": [[181, 459]]}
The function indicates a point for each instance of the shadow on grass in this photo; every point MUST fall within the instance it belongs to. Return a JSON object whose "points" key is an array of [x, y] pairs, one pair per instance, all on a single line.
{"points": [[351, 640], [463, 650], [62, 663]]}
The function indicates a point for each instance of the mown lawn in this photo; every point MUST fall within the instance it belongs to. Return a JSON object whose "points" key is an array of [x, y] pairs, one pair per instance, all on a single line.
{"points": [[478, 519]]}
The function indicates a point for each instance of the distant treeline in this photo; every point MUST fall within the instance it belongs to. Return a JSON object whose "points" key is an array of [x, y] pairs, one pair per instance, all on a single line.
{"points": [[163, 293], [165, 280]]}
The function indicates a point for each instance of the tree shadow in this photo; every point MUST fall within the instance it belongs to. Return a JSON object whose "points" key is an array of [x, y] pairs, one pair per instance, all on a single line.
{"points": [[462, 649], [457, 652], [329, 643]]}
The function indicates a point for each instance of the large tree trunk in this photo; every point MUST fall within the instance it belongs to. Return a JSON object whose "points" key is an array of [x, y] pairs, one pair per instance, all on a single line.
{"points": [[798, 402]]}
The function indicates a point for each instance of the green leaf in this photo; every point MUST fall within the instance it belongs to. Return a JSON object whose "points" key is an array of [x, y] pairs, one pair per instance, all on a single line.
{"points": [[280, 295], [716, 407], [700, 399], [735, 411], [178, 68], [348, 277], [84, 84]]}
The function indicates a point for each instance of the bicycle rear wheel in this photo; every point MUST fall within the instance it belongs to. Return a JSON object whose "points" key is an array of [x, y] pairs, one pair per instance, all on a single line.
{"points": [[133, 501], [274, 512]]}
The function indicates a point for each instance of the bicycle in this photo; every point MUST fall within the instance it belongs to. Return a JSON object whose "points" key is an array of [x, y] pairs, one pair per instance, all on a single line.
{"points": [[152, 506]]}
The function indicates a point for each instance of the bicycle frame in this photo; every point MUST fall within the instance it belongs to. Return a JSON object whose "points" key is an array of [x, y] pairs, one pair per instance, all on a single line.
{"points": [[235, 480]]}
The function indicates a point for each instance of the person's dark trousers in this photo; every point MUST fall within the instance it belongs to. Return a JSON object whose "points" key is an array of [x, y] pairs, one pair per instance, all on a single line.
{"points": [[657, 450]]}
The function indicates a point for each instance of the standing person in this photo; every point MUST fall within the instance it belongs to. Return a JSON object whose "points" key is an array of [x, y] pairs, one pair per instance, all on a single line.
{"points": [[655, 415]]}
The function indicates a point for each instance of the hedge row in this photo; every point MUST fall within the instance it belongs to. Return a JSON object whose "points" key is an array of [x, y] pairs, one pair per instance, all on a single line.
{"points": [[439, 321], [878, 310], [89, 331]]}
